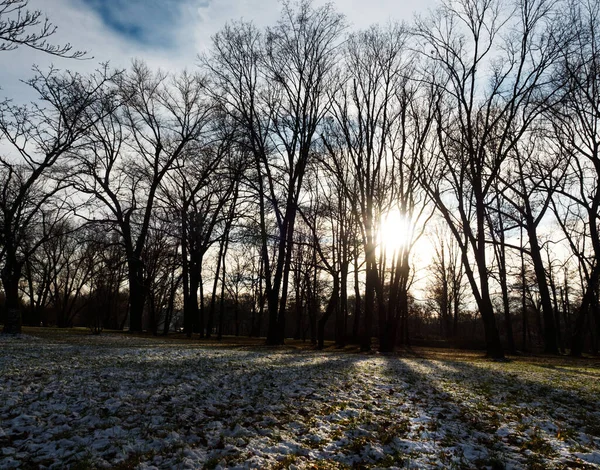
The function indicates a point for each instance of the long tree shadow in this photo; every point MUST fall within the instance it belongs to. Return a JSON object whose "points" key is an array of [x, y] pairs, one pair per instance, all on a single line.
{"points": [[203, 406], [495, 416]]}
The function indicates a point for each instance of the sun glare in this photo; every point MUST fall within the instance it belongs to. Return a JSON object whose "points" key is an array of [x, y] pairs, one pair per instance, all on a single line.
{"points": [[394, 231]]}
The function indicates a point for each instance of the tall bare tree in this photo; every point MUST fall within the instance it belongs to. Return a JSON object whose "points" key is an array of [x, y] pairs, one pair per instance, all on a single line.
{"points": [[274, 85], [577, 131], [378, 131], [128, 155], [40, 137], [491, 86]]}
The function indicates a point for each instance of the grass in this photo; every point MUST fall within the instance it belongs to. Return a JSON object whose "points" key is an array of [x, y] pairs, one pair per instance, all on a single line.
{"points": [[420, 398], [587, 365]]}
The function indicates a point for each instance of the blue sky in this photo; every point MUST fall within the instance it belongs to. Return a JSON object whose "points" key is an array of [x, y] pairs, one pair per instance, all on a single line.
{"points": [[148, 22]]}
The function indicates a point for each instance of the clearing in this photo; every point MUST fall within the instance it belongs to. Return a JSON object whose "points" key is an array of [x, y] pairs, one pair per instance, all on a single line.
{"points": [[119, 401]]}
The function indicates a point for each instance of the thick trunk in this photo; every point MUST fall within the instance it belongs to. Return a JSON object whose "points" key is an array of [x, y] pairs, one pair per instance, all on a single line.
{"points": [[577, 341], [365, 341], [273, 327], [11, 273], [486, 309], [137, 297]]}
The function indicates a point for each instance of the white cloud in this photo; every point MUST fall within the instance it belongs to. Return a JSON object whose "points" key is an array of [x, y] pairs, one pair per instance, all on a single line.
{"points": [[83, 27]]}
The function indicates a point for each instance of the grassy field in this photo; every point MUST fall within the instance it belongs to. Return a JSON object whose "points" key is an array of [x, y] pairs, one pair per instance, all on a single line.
{"points": [[71, 399]]}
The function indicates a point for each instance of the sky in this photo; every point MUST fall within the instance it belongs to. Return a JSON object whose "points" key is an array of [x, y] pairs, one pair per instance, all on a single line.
{"points": [[164, 33]]}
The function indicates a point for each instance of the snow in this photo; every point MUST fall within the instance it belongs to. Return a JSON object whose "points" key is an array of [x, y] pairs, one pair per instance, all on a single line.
{"points": [[114, 400]]}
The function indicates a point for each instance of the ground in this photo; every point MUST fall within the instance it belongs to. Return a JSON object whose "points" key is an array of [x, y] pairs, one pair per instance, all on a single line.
{"points": [[119, 401]]}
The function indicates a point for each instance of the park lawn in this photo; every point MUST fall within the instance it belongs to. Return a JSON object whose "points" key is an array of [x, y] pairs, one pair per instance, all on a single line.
{"points": [[70, 399]]}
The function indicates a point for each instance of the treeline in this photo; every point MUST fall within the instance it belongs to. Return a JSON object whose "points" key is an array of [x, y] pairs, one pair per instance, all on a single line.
{"points": [[253, 194]]}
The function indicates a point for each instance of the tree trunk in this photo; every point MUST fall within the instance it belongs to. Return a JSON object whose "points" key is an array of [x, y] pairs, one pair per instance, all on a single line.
{"points": [[357, 307], [185, 272], [365, 342], [213, 299], [342, 312], [577, 342], [486, 309], [299, 307], [331, 307], [549, 327], [136, 295], [11, 274], [194, 321]]}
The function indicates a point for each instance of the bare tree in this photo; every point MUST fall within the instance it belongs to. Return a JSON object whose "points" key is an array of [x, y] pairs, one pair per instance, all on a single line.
{"points": [[446, 280], [128, 155], [577, 131], [274, 85], [525, 191], [374, 140], [40, 136], [482, 116], [22, 27]]}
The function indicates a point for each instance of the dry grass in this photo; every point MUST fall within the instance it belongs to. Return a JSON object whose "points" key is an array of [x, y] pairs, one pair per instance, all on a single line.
{"points": [[68, 335]]}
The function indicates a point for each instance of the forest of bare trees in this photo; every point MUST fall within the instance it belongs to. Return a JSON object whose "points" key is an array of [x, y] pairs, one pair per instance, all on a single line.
{"points": [[431, 182]]}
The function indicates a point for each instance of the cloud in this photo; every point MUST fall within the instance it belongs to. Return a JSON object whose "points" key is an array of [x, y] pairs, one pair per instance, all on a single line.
{"points": [[165, 33]]}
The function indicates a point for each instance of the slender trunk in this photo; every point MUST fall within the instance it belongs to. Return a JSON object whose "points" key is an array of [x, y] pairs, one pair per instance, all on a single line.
{"points": [[213, 299], [185, 263], [549, 326], [504, 287], [201, 307], [357, 305], [523, 299], [299, 305], [222, 300], [556, 309], [314, 302], [260, 297], [342, 323], [170, 306], [331, 307], [371, 279], [194, 324], [236, 313], [285, 281]]}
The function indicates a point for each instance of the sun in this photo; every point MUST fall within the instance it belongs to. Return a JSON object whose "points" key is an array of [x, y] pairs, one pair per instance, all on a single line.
{"points": [[394, 231]]}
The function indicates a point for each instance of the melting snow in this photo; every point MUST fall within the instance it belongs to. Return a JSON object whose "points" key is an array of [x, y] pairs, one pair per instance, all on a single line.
{"points": [[104, 401]]}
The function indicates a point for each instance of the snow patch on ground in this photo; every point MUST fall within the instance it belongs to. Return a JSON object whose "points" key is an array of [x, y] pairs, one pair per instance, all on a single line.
{"points": [[111, 400]]}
